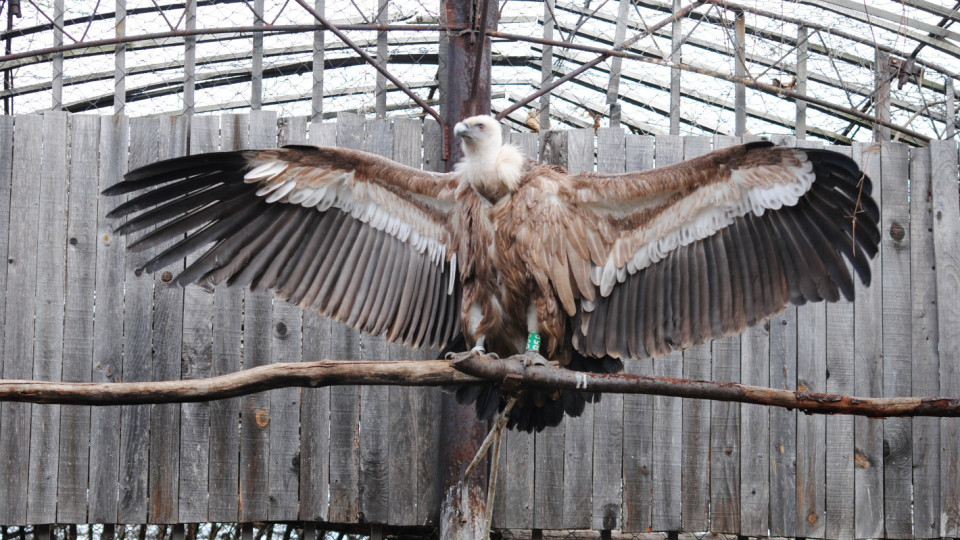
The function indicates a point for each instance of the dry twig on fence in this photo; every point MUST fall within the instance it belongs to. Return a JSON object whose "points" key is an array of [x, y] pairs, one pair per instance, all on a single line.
{"points": [[470, 370]]}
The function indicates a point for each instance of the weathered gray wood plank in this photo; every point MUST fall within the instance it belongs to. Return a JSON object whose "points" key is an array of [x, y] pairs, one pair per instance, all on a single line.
{"points": [[197, 360], [578, 436], [725, 427], [695, 509], [667, 412], [285, 416], [108, 325], [695, 452], [224, 468], [924, 340], [811, 429], [315, 402], [256, 414], [840, 439], [897, 332], [287, 328], [375, 400], [345, 400], [725, 442], [782, 373], [811, 369], [429, 492], [549, 443], [578, 470], [50, 297], [783, 426], [514, 499], [137, 348], [6, 170], [406, 420], [19, 329], [74, 462], [164, 465], [946, 245], [637, 409], [755, 435], [608, 426], [868, 453]]}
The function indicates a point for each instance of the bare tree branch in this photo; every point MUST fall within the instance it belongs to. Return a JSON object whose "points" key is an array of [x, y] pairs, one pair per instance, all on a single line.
{"points": [[513, 372], [509, 373], [248, 381]]}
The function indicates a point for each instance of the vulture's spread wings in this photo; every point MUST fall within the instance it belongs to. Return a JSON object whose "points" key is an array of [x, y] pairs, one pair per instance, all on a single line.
{"points": [[357, 237], [673, 257]]}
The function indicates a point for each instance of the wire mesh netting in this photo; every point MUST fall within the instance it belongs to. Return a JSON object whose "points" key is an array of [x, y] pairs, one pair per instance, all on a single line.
{"points": [[888, 60]]}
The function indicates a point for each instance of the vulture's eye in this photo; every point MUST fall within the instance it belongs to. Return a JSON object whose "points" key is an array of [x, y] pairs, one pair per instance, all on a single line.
{"points": [[480, 127]]}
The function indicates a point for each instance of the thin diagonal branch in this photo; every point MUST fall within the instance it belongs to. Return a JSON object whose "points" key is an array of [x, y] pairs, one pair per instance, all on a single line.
{"points": [[371, 60], [603, 56]]}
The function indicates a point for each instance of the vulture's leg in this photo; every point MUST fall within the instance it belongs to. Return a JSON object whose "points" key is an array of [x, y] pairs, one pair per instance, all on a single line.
{"points": [[477, 350], [531, 356]]}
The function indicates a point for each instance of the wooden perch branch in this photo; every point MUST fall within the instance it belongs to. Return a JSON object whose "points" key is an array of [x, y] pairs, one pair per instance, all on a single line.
{"points": [[247, 381], [470, 370], [623, 383]]}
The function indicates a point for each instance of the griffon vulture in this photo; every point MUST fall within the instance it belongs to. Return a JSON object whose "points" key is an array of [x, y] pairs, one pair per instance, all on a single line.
{"points": [[514, 256]]}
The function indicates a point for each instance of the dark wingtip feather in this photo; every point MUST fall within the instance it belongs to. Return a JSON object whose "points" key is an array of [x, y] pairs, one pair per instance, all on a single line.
{"points": [[176, 168], [117, 189], [841, 173]]}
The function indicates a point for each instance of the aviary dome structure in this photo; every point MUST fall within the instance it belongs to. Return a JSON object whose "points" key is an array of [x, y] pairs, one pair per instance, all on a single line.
{"points": [[824, 69]]}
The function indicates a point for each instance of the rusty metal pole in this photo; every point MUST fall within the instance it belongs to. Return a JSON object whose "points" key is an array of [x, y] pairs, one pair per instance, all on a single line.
{"points": [[462, 65], [465, 81]]}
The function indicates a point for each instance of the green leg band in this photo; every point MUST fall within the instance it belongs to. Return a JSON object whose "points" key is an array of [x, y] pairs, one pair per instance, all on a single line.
{"points": [[533, 342]]}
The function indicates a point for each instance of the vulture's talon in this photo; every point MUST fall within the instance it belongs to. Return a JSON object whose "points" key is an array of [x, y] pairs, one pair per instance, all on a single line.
{"points": [[478, 352], [460, 356], [532, 358]]}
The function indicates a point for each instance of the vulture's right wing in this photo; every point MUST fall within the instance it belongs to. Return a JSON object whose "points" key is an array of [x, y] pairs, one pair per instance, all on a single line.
{"points": [[360, 238]]}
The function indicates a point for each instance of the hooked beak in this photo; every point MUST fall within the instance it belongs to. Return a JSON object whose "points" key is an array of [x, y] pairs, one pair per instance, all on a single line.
{"points": [[461, 130]]}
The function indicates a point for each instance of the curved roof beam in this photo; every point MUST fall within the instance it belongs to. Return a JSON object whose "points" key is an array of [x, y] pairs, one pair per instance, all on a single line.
{"points": [[839, 33], [903, 26], [336, 46], [932, 8]]}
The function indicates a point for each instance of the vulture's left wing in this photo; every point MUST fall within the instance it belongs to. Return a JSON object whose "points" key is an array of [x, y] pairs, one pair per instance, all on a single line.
{"points": [[705, 248], [359, 238]]}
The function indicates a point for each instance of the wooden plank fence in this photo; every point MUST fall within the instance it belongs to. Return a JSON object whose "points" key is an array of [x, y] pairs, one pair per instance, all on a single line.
{"points": [[75, 310]]}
